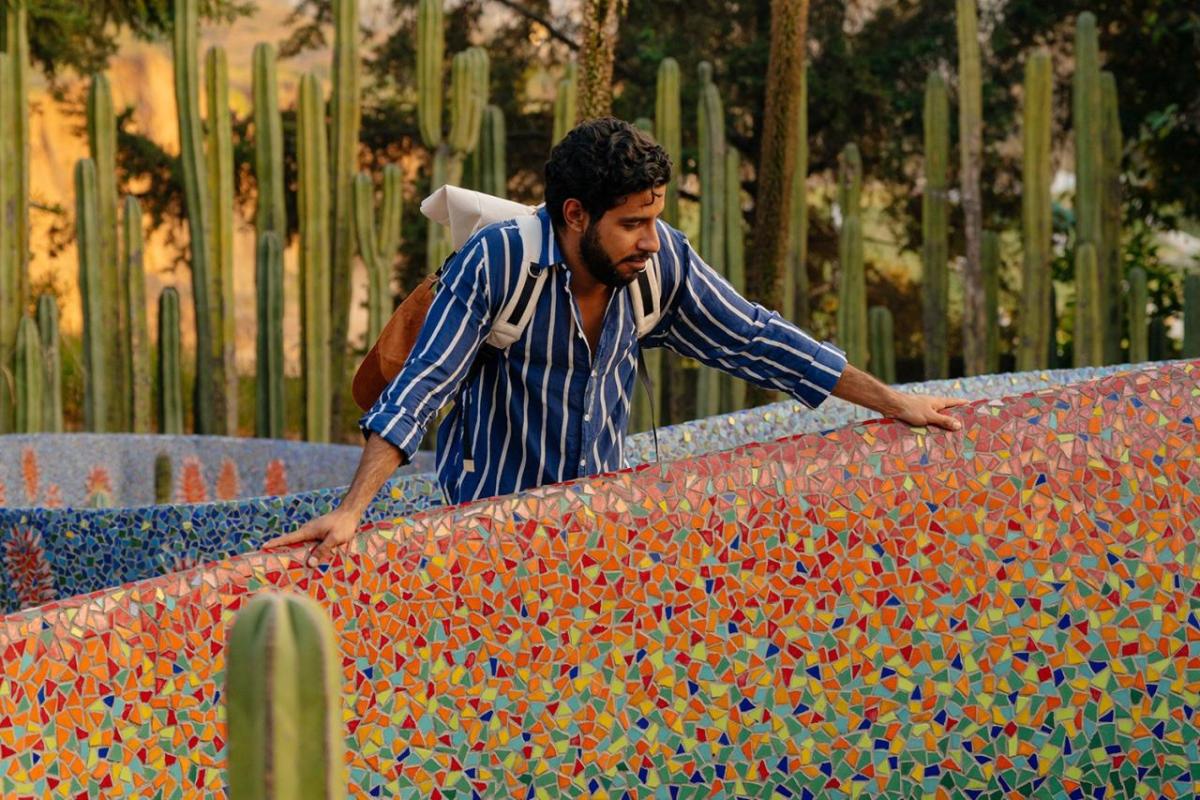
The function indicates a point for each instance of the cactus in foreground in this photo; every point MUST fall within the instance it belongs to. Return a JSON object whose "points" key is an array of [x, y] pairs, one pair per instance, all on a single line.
{"points": [[1138, 331], [96, 328], [170, 378], [207, 406], [668, 133], [795, 282], [164, 480], [1111, 146], [1089, 308], [852, 282], [114, 310], [313, 205], [220, 193], [283, 702], [991, 296], [935, 253], [378, 243], [28, 378], [138, 345], [1035, 336], [271, 213], [1191, 316], [883, 344], [268, 411], [47, 320]]}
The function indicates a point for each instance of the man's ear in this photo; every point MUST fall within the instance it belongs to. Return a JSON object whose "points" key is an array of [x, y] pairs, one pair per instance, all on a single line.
{"points": [[574, 215]]}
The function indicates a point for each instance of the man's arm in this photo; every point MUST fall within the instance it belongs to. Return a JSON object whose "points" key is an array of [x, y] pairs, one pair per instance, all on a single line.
{"points": [[864, 389]]}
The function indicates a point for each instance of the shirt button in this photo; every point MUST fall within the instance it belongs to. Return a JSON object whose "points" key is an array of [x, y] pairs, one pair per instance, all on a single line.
{"points": [[582, 462], [587, 417]]}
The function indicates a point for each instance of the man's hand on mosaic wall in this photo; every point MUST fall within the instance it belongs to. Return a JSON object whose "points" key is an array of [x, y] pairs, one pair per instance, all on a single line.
{"points": [[332, 531], [921, 410], [864, 389]]}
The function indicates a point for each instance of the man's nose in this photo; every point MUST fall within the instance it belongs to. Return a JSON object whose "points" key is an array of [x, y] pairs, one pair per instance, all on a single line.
{"points": [[649, 242]]}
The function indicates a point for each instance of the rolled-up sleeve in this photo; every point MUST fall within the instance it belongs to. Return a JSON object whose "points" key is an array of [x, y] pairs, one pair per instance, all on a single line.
{"points": [[455, 327], [709, 321]]}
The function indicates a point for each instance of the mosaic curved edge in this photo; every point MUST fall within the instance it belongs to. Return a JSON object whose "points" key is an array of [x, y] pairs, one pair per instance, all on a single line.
{"points": [[874, 611]]}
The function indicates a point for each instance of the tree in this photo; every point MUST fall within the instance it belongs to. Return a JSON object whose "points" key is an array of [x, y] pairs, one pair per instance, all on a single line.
{"points": [[598, 42]]}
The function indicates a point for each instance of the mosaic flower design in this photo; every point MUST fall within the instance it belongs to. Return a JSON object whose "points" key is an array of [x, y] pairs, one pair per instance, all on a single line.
{"points": [[229, 485], [28, 570], [31, 474], [191, 482], [99, 488], [275, 483]]}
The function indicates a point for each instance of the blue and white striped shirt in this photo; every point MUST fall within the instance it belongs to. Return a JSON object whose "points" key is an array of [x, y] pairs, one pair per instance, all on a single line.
{"points": [[547, 409]]}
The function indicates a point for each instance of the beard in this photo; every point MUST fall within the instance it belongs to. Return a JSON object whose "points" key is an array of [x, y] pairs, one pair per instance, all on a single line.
{"points": [[598, 262]]}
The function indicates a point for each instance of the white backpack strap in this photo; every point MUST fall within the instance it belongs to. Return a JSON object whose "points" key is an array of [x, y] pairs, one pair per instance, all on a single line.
{"points": [[647, 297], [518, 307]]}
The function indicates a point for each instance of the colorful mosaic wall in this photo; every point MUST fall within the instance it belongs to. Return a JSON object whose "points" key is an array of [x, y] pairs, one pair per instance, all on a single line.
{"points": [[231, 495], [877, 611], [51, 552]]}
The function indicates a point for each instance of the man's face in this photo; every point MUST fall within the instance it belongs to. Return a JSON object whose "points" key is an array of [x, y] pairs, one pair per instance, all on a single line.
{"points": [[618, 246]]}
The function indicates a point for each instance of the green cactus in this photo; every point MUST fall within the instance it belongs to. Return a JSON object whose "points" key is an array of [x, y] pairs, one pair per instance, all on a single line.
{"points": [[379, 243], [1088, 337], [970, 135], [431, 54], [47, 320], [437, 240], [269, 408], [1138, 331], [271, 214], [644, 124], [28, 378], [220, 193], [935, 216], [852, 282], [1111, 146], [102, 145], [565, 95], [491, 154], [1191, 316], [313, 205], [1035, 337], [991, 295], [164, 480], [170, 377], [669, 133], [733, 390], [469, 79], [1160, 342], [1085, 111], [138, 331], [14, 42], [710, 117], [883, 344], [283, 702], [11, 297], [795, 283], [96, 327], [346, 116], [207, 407]]}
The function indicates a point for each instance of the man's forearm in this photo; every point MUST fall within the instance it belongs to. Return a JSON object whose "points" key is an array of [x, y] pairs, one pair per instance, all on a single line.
{"points": [[379, 460], [865, 390]]}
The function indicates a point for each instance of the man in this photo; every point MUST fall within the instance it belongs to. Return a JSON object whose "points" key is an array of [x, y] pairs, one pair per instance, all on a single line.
{"points": [[554, 405]]}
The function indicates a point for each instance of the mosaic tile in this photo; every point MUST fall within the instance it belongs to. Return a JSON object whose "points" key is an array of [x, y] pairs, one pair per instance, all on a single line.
{"points": [[874, 611]]}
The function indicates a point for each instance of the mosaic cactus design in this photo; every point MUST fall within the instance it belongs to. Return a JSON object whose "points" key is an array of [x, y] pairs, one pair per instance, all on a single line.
{"points": [[873, 611]]}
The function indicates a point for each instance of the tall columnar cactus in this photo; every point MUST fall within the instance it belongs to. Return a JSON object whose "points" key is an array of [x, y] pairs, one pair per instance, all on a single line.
{"points": [[668, 132], [14, 42], [1191, 315], [29, 378], [710, 118], [491, 154], [220, 193], [313, 205], [102, 145], [1138, 331], [991, 294], [1111, 146], [970, 134], [170, 377], [935, 218], [346, 115], [138, 330], [11, 296], [268, 416], [733, 391], [431, 54], [208, 407], [96, 328], [283, 702], [565, 95], [1085, 111], [378, 243], [795, 284], [1088, 337], [164, 479], [883, 344], [1035, 334], [852, 283], [271, 214], [47, 320]]}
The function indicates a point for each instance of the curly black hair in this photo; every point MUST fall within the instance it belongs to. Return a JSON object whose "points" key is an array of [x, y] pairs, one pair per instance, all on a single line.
{"points": [[600, 163]]}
